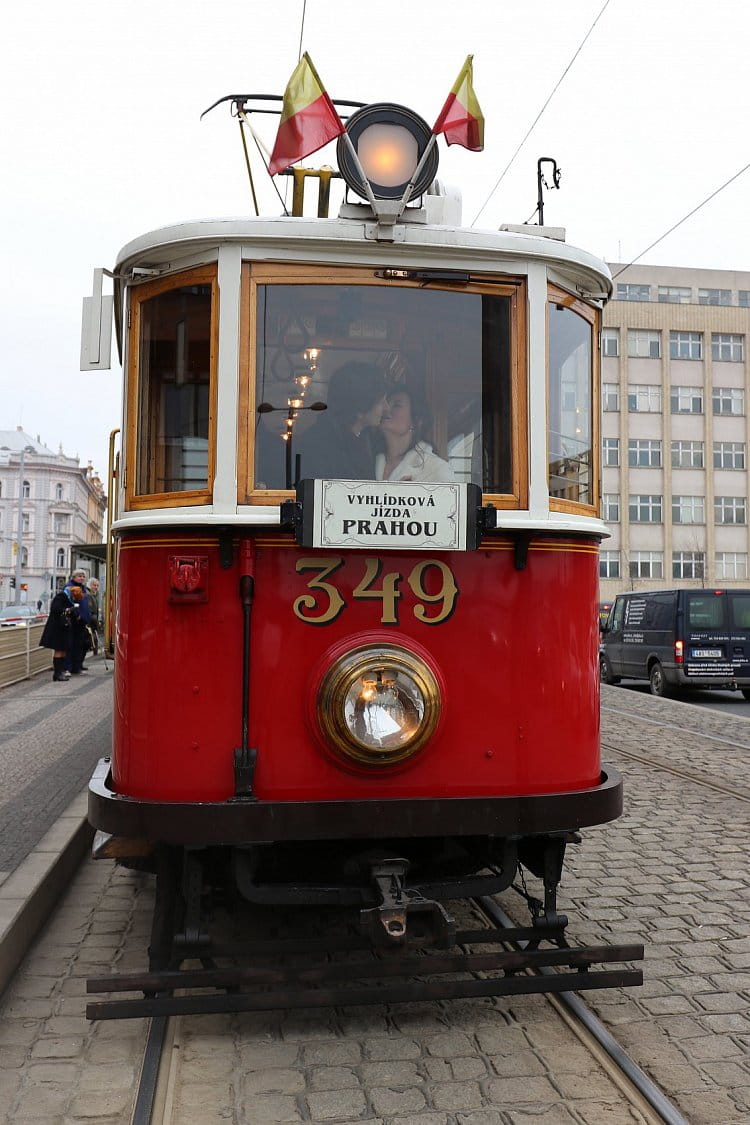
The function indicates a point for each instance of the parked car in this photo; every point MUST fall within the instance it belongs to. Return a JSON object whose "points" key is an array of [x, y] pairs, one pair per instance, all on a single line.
{"points": [[20, 615], [677, 639]]}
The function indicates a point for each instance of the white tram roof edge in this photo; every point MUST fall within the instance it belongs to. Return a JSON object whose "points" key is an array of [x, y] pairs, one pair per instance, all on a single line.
{"points": [[350, 241]]}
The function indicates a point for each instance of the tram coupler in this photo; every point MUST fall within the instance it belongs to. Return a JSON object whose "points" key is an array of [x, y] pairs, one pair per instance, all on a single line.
{"points": [[393, 922]]}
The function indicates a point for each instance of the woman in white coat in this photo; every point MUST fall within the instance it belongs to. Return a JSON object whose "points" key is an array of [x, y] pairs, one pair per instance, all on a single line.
{"points": [[408, 456]]}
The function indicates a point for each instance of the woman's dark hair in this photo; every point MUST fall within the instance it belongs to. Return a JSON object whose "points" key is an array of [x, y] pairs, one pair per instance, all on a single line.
{"points": [[421, 418], [353, 388]]}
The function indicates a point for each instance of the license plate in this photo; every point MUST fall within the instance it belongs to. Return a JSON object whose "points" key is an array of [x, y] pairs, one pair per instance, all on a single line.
{"points": [[707, 653]]}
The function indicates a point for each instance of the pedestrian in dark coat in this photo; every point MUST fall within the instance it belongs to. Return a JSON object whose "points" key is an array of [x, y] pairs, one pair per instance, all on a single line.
{"points": [[58, 630]]}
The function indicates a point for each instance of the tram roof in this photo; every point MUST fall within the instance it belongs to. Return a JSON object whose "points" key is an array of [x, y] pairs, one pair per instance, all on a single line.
{"points": [[355, 242]]}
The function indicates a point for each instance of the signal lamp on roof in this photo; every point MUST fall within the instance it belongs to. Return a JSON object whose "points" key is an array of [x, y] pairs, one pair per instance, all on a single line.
{"points": [[388, 144]]}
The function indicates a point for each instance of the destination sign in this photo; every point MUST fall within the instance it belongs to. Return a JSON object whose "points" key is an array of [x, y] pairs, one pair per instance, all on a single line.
{"points": [[389, 515]]}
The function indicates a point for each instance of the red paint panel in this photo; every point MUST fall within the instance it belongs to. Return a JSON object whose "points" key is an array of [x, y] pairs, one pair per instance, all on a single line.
{"points": [[517, 656]]}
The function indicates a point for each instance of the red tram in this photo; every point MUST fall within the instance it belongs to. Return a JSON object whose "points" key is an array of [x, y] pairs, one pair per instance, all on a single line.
{"points": [[372, 687]]}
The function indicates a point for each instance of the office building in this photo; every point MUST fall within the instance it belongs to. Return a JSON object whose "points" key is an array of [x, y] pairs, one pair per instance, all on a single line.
{"points": [[674, 410]]}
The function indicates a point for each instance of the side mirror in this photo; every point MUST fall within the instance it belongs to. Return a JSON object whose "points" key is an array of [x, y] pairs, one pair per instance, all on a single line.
{"points": [[96, 328]]}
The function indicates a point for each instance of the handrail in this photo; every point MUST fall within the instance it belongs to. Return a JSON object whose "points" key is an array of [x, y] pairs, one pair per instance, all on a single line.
{"points": [[113, 511]]}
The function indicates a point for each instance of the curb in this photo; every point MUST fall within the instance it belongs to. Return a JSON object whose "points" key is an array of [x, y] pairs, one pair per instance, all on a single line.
{"points": [[28, 896]]}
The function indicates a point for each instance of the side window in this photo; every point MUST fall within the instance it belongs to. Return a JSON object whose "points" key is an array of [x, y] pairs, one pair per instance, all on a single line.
{"points": [[617, 615], [571, 444], [171, 381]]}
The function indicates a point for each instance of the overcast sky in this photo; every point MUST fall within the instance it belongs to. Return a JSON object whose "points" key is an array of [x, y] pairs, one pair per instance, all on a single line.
{"points": [[101, 140]]}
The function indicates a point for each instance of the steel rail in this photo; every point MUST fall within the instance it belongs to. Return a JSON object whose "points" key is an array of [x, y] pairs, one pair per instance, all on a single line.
{"points": [[149, 1076], [634, 1080], [687, 775]]}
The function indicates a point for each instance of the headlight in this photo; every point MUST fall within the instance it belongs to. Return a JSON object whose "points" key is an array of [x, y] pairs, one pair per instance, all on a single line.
{"points": [[378, 704]]}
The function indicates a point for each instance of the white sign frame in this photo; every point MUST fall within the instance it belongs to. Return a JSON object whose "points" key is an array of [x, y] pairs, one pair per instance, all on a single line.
{"points": [[389, 515]]}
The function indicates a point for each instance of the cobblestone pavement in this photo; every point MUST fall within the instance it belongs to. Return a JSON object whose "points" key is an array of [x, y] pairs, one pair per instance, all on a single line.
{"points": [[672, 872]]}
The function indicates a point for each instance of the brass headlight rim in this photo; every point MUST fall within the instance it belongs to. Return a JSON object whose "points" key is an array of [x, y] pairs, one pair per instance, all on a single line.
{"points": [[337, 682]]}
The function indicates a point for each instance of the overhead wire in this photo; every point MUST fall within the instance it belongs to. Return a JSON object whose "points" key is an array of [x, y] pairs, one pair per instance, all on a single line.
{"points": [[682, 220], [541, 111]]}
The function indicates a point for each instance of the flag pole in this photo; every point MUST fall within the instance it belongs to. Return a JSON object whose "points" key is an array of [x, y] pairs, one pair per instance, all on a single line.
{"points": [[415, 174], [365, 182]]}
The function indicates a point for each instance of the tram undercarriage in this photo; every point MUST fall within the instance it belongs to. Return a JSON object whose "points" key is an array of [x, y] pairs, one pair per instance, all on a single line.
{"points": [[388, 908]]}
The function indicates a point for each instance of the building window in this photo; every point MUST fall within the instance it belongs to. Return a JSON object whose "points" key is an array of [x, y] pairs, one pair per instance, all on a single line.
{"points": [[58, 492], [743, 298], [644, 344], [714, 296], [674, 295], [686, 345], [728, 347], [688, 509], [62, 525], [611, 507], [611, 452], [731, 564], [729, 455], [25, 523], [645, 508], [611, 342], [730, 509], [60, 562], [728, 400], [609, 564], [646, 564], [643, 453], [26, 490], [687, 454], [610, 397], [633, 292], [644, 399], [24, 557], [688, 564], [686, 400]]}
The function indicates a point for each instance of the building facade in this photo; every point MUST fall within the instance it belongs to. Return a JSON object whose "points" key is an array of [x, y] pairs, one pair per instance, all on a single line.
{"points": [[61, 506], [674, 402]]}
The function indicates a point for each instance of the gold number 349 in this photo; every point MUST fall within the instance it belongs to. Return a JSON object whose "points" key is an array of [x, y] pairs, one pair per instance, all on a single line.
{"points": [[323, 603]]}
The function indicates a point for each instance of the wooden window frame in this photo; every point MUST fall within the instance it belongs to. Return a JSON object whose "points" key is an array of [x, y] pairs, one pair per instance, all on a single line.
{"points": [[144, 291], [257, 274], [592, 314]]}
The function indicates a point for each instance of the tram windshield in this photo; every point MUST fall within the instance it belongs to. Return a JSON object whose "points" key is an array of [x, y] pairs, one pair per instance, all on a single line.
{"points": [[369, 381]]}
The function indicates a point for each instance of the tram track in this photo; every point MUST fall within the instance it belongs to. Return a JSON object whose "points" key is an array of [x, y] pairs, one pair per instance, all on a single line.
{"points": [[685, 773], [159, 1077]]}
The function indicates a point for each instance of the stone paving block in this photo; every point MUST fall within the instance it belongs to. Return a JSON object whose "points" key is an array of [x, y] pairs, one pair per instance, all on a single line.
{"points": [[100, 1103], [711, 1107], [522, 1064], [333, 1078], [336, 1103], [258, 1056], [265, 1109], [456, 1097], [276, 1081], [520, 1091], [396, 1047], [337, 1053], [554, 1115], [392, 1073]]}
